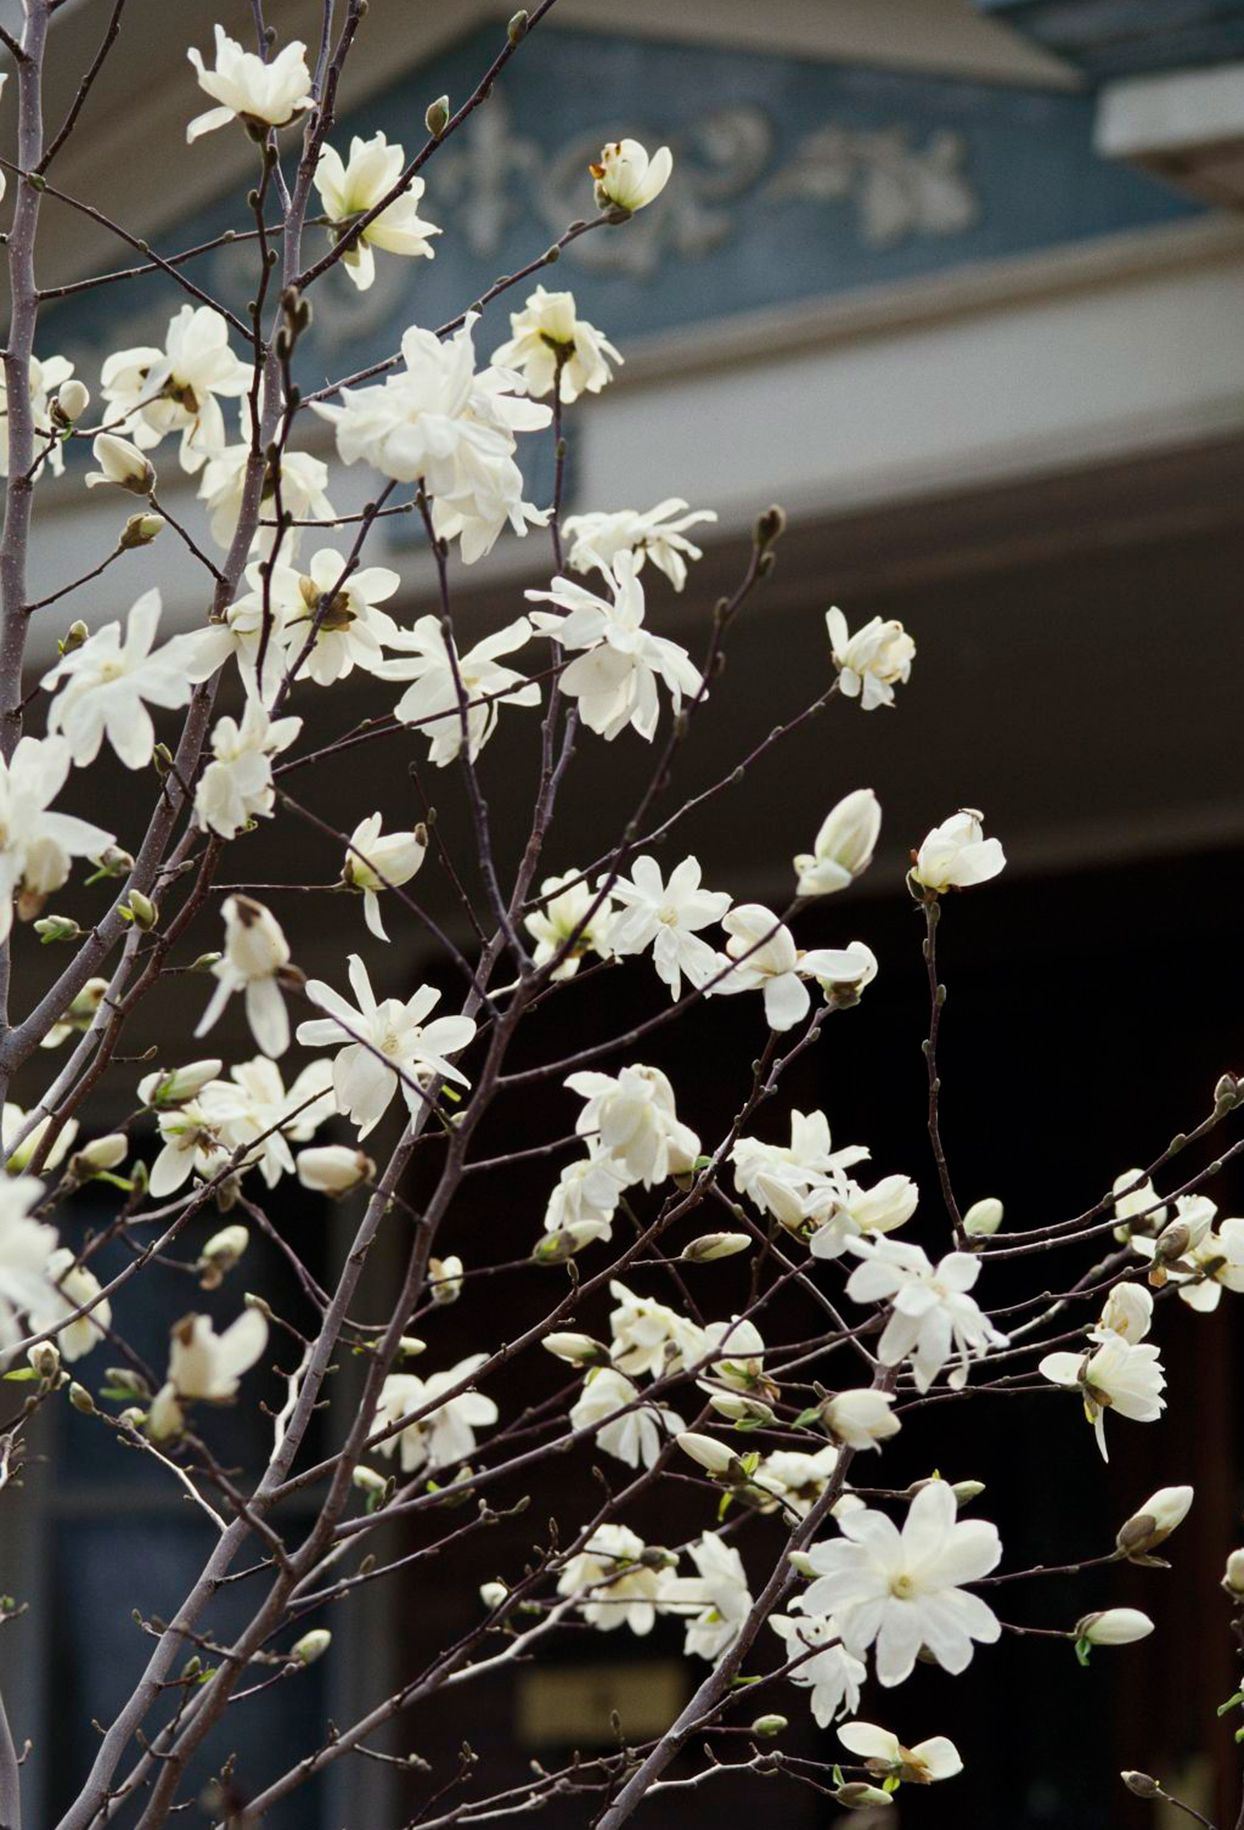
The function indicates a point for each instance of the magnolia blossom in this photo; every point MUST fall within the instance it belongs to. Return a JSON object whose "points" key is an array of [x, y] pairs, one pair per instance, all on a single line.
{"points": [[833, 1675], [636, 1437], [191, 1146], [900, 1590], [617, 1580], [770, 962], [956, 854], [175, 1087], [255, 957], [576, 911], [615, 678], [14, 1122], [70, 1286], [303, 485], [253, 1108], [439, 422], [834, 1216], [445, 1434], [26, 1250], [176, 389], [333, 1169], [236, 787], [1127, 1311], [551, 345], [1114, 1627], [777, 1177], [594, 540], [207, 1365], [844, 845], [627, 178], [81, 1012], [886, 1758], [862, 1419], [1212, 1260], [120, 464], [649, 1337], [795, 1478], [46, 378], [587, 1195], [36, 845], [350, 190], [107, 684], [385, 1045], [633, 1112], [716, 1602], [667, 917], [872, 661], [380, 861], [1137, 1205], [1116, 1374], [456, 697], [932, 1316], [259, 94]]}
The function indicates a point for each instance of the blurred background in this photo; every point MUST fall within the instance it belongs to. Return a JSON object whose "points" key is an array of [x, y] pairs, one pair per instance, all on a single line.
{"points": [[958, 284]]}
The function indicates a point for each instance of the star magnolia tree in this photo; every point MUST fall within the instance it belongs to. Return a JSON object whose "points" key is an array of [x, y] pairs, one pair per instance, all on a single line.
{"points": [[762, 1429]]}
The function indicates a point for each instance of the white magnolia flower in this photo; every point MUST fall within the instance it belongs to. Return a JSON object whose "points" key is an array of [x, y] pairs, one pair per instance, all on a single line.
{"points": [[254, 1104], [191, 1146], [627, 177], [863, 1418], [36, 845], [594, 540], [333, 1169], [236, 786], [871, 661], [932, 1315], [444, 1436], [638, 1436], [615, 678], [956, 854], [886, 1758], [770, 962], [456, 695], [47, 377], [844, 846], [259, 94], [69, 1287], [204, 1364], [776, 1177], [77, 1018], [833, 1675], [1137, 1206], [901, 1590], [256, 956], [174, 1087], [1115, 1374], [379, 861], [178, 388], [795, 1478], [716, 1602], [350, 630], [834, 1216], [618, 1580], [1152, 1523], [634, 1115], [440, 423], [121, 465], [383, 1045], [548, 338], [649, 1337], [1212, 1259], [587, 1195], [239, 633], [13, 1122], [1127, 1311], [303, 483], [107, 684], [578, 910], [667, 917], [26, 1250], [350, 190]]}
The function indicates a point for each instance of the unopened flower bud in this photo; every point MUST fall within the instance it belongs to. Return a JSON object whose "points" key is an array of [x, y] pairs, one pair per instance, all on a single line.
{"points": [[492, 1594], [557, 1247], [311, 1646], [967, 1491], [576, 1349], [102, 1153], [716, 1457], [802, 1564], [516, 30], [711, 1246], [1152, 1523], [51, 928], [73, 637], [1172, 1242], [445, 1279], [860, 1797], [204, 963], [176, 1087], [769, 1726], [745, 1413], [73, 397], [436, 120], [220, 1254], [114, 862], [143, 912], [1142, 1785], [45, 1358], [983, 1218], [81, 1399], [410, 1347], [1233, 1579], [122, 464], [141, 530], [844, 845], [1114, 1627], [333, 1169], [368, 1481], [125, 1379]]}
